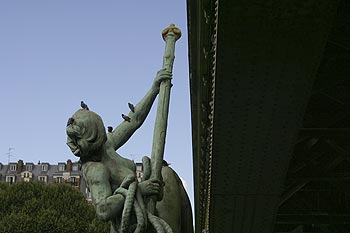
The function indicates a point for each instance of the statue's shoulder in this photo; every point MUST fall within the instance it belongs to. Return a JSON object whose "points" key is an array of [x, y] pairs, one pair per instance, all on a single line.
{"points": [[95, 172]]}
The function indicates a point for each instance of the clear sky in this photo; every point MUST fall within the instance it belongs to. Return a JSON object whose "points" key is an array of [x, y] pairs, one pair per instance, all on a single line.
{"points": [[53, 54]]}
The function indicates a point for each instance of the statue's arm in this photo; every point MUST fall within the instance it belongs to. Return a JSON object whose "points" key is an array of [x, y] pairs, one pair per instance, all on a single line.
{"points": [[124, 131], [107, 206]]}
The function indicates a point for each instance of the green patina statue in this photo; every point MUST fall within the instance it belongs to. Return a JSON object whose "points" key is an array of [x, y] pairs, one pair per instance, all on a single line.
{"points": [[157, 203]]}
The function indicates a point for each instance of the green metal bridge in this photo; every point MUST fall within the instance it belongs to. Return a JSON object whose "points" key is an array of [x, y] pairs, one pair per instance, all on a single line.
{"points": [[270, 101]]}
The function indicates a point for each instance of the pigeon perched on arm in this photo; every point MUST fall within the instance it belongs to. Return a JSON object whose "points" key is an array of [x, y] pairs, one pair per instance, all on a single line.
{"points": [[83, 105], [131, 106], [126, 118]]}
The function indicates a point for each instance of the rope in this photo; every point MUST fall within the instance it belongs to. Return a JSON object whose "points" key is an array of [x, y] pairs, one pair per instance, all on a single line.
{"points": [[134, 201]]}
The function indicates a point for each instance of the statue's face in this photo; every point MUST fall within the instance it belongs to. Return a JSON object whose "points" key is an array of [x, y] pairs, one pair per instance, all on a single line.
{"points": [[86, 135], [74, 138]]}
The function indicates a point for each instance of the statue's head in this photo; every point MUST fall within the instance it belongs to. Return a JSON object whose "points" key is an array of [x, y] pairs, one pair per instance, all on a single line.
{"points": [[86, 135]]}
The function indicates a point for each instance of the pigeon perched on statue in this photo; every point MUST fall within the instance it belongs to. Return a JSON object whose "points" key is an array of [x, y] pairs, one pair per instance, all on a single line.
{"points": [[83, 105], [165, 163], [126, 118], [70, 121], [110, 129], [131, 106]]}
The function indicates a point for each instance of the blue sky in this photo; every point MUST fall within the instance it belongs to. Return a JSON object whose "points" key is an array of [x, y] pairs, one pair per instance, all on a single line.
{"points": [[53, 54]]}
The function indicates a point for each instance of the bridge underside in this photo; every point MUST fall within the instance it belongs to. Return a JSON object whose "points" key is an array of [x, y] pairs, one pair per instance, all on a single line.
{"points": [[270, 108]]}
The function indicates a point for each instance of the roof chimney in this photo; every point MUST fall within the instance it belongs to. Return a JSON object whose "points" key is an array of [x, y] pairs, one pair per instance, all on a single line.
{"points": [[69, 165], [20, 166]]}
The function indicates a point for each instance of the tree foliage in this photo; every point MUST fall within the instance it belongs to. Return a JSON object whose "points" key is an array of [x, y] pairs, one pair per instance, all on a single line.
{"points": [[41, 208]]}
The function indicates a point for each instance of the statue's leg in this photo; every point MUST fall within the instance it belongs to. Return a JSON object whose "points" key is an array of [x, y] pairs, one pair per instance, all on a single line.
{"points": [[173, 204], [187, 223]]}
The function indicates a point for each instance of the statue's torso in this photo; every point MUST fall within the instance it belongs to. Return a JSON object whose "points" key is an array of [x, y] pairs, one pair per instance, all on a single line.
{"points": [[118, 168]]}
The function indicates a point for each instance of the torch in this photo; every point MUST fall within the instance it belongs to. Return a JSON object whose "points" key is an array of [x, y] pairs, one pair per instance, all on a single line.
{"points": [[170, 35]]}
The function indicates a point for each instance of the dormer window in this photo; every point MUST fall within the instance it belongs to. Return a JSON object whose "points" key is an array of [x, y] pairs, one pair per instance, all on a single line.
{"points": [[29, 167], [75, 167], [44, 167], [13, 167], [61, 167], [138, 167]]}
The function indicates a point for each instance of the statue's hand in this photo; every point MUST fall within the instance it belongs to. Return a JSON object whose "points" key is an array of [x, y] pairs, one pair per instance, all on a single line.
{"points": [[150, 187], [161, 76]]}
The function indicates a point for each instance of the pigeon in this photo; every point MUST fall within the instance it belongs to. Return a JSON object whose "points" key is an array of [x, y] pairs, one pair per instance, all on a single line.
{"points": [[165, 163], [83, 105], [126, 118], [110, 129], [131, 106], [70, 121]]}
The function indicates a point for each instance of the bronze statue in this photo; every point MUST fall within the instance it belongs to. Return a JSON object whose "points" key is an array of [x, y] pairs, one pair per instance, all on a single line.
{"points": [[155, 204]]}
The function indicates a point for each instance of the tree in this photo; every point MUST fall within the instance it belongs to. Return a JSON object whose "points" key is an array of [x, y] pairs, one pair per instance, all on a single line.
{"points": [[41, 208]]}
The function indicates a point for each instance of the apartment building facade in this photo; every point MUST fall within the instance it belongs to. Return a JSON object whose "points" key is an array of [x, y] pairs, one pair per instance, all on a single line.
{"points": [[61, 173]]}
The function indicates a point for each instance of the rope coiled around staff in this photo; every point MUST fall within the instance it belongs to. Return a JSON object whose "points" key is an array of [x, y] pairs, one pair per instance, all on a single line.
{"points": [[135, 201]]}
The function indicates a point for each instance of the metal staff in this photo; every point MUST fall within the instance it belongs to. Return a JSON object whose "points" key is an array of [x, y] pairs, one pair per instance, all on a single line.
{"points": [[170, 35]]}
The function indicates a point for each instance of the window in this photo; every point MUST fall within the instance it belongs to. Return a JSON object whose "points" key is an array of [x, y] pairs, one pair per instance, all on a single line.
{"points": [[138, 168], [13, 167], [73, 181], [42, 179], [75, 167], [29, 167], [138, 176], [87, 193], [61, 167], [44, 168], [59, 180], [10, 179], [26, 176]]}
